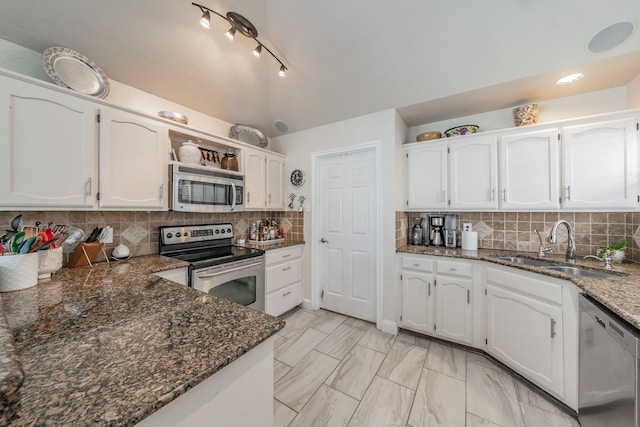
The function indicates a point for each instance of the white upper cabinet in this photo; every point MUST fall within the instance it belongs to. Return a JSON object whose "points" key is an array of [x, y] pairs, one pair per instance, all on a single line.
{"points": [[264, 180], [427, 169], [529, 170], [600, 165], [47, 148], [133, 161], [473, 172], [275, 182]]}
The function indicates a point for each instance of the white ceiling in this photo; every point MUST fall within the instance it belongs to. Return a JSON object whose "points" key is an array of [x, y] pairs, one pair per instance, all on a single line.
{"points": [[431, 59]]}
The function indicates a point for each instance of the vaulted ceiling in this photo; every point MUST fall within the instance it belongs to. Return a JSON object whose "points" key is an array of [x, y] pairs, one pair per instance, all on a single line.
{"points": [[430, 59]]}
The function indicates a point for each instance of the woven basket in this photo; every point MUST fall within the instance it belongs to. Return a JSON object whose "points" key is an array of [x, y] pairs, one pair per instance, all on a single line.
{"points": [[18, 272], [525, 115]]}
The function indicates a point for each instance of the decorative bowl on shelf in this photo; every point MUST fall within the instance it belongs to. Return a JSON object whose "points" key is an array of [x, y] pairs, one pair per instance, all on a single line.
{"points": [[189, 152], [461, 130], [426, 136]]}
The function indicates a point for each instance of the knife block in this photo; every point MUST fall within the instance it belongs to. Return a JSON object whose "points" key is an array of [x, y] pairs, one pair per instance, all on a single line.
{"points": [[85, 254]]}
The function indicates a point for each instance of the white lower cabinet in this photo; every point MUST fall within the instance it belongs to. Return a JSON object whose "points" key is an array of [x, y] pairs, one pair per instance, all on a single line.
{"points": [[436, 297], [283, 279], [525, 320], [532, 328]]}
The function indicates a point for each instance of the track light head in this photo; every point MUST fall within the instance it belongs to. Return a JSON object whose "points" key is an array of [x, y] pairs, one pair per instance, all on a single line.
{"points": [[205, 21], [257, 51], [231, 33], [283, 71]]}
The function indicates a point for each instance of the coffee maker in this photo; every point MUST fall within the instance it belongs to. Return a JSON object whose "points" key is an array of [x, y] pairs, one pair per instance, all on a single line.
{"points": [[450, 223], [435, 224]]}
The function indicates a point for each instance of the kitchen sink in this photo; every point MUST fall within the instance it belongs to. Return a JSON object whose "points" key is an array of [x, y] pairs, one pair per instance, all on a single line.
{"points": [[524, 261], [577, 271]]}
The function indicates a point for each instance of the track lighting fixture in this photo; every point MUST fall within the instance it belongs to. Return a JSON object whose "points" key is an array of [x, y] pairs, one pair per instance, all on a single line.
{"points": [[238, 24]]}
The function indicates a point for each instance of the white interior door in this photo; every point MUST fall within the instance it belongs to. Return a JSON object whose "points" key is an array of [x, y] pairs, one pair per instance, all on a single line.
{"points": [[347, 225]]}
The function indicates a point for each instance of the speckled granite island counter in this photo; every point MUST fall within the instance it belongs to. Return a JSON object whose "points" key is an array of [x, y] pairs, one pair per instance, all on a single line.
{"points": [[111, 345], [620, 292]]}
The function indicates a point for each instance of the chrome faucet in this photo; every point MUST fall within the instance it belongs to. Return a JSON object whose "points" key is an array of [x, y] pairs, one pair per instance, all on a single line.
{"points": [[571, 245]]}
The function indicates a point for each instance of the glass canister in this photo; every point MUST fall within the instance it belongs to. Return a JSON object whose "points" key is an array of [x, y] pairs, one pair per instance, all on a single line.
{"points": [[229, 161]]}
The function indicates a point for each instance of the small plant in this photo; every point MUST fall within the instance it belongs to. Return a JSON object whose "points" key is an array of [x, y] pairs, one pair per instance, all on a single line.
{"points": [[616, 250]]}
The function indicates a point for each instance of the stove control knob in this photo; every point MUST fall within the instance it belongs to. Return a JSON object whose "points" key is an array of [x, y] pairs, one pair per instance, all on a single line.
{"points": [[228, 230], [222, 231], [217, 231], [178, 234], [185, 234], [169, 235]]}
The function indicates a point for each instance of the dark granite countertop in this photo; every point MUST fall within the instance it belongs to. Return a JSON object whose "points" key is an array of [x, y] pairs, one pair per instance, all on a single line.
{"points": [[108, 346], [270, 246], [620, 292]]}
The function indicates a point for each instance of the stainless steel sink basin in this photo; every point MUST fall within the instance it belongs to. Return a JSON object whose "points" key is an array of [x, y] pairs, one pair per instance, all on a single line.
{"points": [[577, 271], [524, 261]]}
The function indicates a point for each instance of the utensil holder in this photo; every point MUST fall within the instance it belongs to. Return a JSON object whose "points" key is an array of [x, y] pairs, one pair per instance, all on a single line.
{"points": [[49, 261], [18, 272], [85, 254]]}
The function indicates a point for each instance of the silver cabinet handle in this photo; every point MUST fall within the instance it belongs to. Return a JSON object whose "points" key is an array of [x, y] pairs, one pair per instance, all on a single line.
{"points": [[286, 256], [323, 240], [269, 198], [493, 194], [429, 290], [286, 269], [504, 194], [87, 187], [600, 321], [286, 293], [416, 265], [553, 328], [568, 192], [248, 196], [161, 188], [468, 296], [452, 269]]}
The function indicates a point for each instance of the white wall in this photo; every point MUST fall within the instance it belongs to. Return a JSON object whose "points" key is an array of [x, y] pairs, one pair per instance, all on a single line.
{"points": [[383, 126], [603, 101], [633, 93]]}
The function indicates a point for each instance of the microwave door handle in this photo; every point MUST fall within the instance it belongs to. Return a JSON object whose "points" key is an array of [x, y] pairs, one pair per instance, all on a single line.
{"points": [[233, 196], [218, 273]]}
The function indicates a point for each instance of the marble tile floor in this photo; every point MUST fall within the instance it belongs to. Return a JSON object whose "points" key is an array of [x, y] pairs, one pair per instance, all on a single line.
{"points": [[334, 370]]}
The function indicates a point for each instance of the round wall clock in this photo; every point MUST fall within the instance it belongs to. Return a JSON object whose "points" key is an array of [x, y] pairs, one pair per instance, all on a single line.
{"points": [[297, 177]]}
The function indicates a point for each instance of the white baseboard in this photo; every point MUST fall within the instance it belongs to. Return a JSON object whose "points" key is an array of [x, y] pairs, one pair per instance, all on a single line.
{"points": [[306, 303], [388, 326]]}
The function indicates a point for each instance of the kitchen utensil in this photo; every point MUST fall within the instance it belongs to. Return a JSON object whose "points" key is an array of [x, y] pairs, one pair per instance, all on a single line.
{"points": [[426, 136], [36, 243], [15, 222], [30, 231], [75, 236], [18, 238], [26, 245], [461, 130]]}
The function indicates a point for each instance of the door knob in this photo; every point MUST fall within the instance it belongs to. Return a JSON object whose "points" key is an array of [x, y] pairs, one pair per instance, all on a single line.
{"points": [[323, 240]]}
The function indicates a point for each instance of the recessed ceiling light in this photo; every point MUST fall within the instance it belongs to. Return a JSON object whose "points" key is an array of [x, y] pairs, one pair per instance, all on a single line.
{"points": [[610, 37], [571, 78]]}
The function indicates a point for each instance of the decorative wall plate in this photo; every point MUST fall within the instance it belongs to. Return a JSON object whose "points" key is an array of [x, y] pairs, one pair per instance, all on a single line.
{"points": [[255, 136], [73, 70]]}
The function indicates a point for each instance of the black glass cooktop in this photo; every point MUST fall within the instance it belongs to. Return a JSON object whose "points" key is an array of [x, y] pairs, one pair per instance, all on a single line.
{"points": [[215, 256]]}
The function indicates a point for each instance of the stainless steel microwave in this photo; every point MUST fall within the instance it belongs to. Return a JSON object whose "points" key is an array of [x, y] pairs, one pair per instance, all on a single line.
{"points": [[204, 189]]}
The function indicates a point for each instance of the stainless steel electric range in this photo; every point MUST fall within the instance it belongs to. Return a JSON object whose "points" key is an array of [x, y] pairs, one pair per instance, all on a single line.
{"points": [[216, 266]]}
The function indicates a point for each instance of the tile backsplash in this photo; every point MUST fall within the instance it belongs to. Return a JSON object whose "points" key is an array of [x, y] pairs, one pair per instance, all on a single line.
{"points": [[515, 230], [139, 230]]}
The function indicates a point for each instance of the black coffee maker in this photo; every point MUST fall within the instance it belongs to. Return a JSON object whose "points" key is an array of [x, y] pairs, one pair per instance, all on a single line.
{"points": [[435, 236]]}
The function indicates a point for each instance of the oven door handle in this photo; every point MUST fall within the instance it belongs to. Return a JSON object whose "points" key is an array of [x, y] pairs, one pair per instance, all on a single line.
{"points": [[218, 273]]}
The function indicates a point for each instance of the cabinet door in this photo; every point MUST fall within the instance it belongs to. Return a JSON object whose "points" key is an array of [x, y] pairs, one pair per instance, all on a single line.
{"points": [[254, 175], [526, 334], [473, 173], [599, 165], [275, 182], [47, 148], [453, 309], [133, 161], [529, 175], [417, 311], [427, 176]]}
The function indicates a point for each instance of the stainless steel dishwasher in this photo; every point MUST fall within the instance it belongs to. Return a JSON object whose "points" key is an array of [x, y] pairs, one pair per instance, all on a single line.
{"points": [[608, 369]]}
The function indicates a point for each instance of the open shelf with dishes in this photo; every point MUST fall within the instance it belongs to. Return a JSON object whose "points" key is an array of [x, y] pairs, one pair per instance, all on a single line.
{"points": [[204, 152]]}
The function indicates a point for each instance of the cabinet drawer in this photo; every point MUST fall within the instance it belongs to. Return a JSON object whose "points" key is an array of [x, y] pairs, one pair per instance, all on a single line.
{"points": [[283, 300], [455, 268], [540, 288], [283, 274], [285, 254], [420, 263]]}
